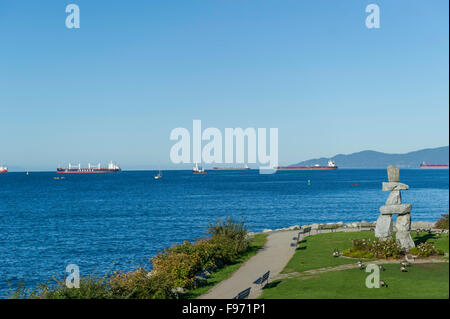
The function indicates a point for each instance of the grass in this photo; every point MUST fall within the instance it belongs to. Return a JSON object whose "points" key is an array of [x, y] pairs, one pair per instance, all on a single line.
{"points": [[421, 281], [256, 243], [440, 243], [316, 251]]}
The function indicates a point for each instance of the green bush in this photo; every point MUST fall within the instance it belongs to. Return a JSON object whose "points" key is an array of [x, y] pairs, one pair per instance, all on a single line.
{"points": [[374, 248], [442, 222], [426, 250]]}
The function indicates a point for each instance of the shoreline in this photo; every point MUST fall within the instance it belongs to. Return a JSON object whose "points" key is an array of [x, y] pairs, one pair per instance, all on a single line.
{"points": [[354, 226]]}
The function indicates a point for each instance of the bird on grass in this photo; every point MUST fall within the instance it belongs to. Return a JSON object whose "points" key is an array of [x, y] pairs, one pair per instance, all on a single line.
{"points": [[382, 268], [383, 283], [403, 269], [336, 253], [360, 265], [405, 264]]}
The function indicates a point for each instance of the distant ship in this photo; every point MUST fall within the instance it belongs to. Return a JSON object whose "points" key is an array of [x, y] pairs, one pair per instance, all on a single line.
{"points": [[439, 166], [158, 176], [3, 169], [198, 170], [331, 166], [112, 168], [245, 168]]}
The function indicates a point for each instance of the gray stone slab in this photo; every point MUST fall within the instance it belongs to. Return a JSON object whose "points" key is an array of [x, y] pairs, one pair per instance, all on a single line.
{"points": [[395, 209], [393, 174], [384, 227], [394, 186], [395, 198], [404, 239]]}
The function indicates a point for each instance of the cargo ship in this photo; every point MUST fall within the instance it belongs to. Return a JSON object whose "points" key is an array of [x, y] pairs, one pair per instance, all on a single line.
{"points": [[331, 166], [112, 168], [436, 166], [3, 169], [245, 168], [198, 170]]}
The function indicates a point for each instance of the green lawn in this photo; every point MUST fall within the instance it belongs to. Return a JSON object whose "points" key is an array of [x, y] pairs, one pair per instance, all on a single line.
{"points": [[421, 281], [440, 243], [316, 251], [256, 243]]}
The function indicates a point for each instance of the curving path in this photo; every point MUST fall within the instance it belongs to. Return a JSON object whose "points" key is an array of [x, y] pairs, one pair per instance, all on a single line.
{"points": [[273, 256]]}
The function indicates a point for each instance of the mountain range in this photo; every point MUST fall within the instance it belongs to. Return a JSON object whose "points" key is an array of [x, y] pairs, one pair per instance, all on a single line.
{"points": [[374, 159]]}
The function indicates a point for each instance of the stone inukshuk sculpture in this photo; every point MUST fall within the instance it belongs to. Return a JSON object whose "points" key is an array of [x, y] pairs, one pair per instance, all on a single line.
{"points": [[385, 225]]}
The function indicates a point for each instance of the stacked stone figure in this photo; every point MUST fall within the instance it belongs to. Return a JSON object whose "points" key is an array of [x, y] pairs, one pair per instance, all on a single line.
{"points": [[385, 225]]}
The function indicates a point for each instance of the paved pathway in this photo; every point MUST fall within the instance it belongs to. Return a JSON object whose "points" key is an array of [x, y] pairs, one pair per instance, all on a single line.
{"points": [[273, 256]]}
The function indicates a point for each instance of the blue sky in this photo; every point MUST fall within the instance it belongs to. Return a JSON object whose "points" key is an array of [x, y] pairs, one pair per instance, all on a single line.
{"points": [[116, 87]]}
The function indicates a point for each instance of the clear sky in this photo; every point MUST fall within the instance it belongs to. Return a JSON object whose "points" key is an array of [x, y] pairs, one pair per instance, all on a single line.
{"points": [[116, 87]]}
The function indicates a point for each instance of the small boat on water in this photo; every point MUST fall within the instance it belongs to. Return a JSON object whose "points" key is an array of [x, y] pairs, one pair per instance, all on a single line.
{"points": [[198, 170], [159, 175], [331, 166], [3, 169]]}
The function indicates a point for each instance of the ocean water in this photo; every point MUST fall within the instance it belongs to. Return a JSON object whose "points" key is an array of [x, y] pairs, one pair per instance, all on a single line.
{"points": [[106, 222]]}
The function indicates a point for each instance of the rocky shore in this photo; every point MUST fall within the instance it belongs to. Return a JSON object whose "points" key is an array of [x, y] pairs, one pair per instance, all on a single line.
{"points": [[350, 226]]}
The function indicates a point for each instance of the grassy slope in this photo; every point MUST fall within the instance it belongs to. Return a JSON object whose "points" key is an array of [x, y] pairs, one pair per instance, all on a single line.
{"points": [[316, 251], [256, 243], [421, 281]]}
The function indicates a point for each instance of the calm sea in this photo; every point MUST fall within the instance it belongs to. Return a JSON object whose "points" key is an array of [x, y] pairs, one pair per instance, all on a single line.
{"points": [[107, 222]]}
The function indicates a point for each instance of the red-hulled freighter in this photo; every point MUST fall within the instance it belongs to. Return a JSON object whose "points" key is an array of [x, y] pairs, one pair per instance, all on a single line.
{"points": [[112, 168], [438, 166], [330, 166], [245, 168], [3, 169]]}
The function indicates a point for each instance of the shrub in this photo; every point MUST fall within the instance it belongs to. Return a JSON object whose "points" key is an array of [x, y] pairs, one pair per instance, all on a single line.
{"points": [[425, 250], [374, 248], [90, 288], [442, 222]]}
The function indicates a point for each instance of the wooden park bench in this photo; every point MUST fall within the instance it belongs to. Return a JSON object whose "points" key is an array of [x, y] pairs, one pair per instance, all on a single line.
{"points": [[243, 294], [366, 226], [301, 235], [263, 279]]}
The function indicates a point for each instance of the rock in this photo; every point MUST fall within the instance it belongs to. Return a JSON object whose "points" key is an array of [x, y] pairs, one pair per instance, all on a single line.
{"points": [[340, 224], [178, 290], [404, 239], [385, 227], [395, 209], [393, 174], [394, 186], [295, 227], [355, 225], [394, 198], [403, 223], [267, 230], [348, 225], [422, 225], [315, 226]]}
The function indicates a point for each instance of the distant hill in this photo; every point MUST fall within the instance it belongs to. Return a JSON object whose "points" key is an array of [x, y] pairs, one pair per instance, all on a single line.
{"points": [[373, 159]]}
